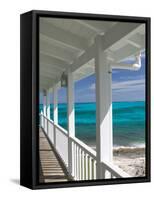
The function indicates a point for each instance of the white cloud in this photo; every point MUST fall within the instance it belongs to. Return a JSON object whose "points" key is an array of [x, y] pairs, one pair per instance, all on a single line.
{"points": [[128, 85]]}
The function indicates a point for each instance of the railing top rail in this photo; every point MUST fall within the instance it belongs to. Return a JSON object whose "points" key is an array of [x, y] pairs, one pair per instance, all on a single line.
{"points": [[50, 120], [61, 129], [85, 147], [115, 170], [57, 125]]}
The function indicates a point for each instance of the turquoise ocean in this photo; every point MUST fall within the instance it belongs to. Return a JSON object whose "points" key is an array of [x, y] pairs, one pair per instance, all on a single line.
{"points": [[128, 122]]}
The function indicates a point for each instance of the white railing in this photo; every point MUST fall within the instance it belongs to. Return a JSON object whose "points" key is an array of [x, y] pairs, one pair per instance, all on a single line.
{"points": [[83, 159], [112, 171], [58, 137], [61, 144]]}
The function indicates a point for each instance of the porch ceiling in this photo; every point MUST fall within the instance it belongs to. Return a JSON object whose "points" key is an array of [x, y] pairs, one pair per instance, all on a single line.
{"points": [[70, 43]]}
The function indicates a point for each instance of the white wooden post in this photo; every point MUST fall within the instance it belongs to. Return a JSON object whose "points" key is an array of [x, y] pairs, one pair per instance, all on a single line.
{"points": [[48, 105], [104, 136], [45, 103], [41, 119], [55, 110], [45, 110], [55, 104], [71, 120]]}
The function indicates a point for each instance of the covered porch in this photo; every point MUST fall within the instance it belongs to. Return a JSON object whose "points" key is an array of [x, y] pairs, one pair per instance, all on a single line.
{"points": [[71, 50]]}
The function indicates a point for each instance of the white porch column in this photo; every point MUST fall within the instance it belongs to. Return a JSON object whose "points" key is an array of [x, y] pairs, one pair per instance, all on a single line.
{"points": [[104, 136], [55, 110], [48, 105], [55, 104], [44, 103], [71, 120]]}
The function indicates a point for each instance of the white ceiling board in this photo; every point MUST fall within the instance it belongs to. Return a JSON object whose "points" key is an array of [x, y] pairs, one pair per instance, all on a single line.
{"points": [[67, 43]]}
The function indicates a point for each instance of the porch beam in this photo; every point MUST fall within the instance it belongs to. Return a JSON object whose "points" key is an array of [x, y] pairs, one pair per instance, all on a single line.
{"points": [[95, 26], [50, 73], [137, 41], [48, 76], [57, 53], [125, 52], [51, 67], [83, 58], [61, 35], [116, 33], [50, 60]]}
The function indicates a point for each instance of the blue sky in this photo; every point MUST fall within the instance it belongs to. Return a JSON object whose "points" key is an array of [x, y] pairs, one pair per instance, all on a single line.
{"points": [[126, 86]]}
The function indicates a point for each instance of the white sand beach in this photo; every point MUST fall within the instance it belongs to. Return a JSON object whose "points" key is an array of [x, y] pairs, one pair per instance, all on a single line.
{"points": [[130, 159]]}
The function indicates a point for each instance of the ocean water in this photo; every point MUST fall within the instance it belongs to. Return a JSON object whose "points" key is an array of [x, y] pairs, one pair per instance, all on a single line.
{"points": [[128, 122]]}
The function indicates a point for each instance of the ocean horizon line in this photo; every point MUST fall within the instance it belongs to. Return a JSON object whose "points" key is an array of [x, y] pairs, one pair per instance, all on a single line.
{"points": [[95, 102]]}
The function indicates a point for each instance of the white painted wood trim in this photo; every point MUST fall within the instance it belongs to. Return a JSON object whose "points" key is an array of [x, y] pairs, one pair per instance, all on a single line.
{"points": [[71, 120], [45, 105], [48, 105], [84, 147], [55, 104], [114, 170], [83, 165], [103, 107], [70, 106]]}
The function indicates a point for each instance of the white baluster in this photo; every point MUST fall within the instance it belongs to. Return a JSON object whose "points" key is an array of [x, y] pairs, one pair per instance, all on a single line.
{"points": [[90, 168], [83, 165], [75, 161], [94, 169], [86, 162], [77, 164]]}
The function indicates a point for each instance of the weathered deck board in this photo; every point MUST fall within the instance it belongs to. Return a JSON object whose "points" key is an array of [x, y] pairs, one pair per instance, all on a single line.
{"points": [[51, 169]]}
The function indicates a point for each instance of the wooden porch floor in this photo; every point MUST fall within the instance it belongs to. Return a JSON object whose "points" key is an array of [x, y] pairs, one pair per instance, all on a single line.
{"points": [[51, 167]]}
